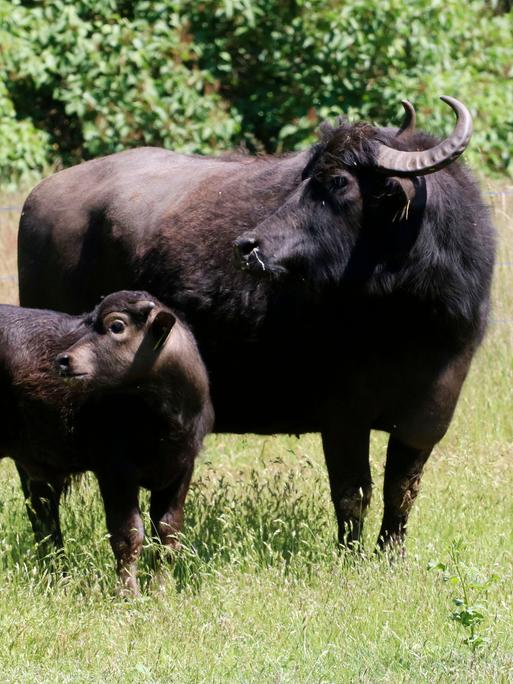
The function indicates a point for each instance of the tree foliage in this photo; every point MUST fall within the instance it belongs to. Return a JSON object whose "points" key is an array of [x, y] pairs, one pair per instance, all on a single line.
{"points": [[97, 77], [88, 77]]}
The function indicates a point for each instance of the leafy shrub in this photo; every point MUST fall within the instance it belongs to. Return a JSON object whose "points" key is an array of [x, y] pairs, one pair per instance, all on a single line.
{"points": [[86, 78], [288, 65], [99, 80], [23, 148]]}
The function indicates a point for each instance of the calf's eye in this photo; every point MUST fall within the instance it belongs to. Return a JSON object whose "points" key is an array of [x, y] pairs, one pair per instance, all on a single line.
{"points": [[117, 327]]}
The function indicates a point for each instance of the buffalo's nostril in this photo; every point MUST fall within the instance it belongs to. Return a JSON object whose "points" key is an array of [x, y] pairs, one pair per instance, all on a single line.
{"points": [[245, 245]]}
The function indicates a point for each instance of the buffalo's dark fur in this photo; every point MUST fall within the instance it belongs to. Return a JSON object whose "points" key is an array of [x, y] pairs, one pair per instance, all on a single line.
{"points": [[355, 301], [137, 418]]}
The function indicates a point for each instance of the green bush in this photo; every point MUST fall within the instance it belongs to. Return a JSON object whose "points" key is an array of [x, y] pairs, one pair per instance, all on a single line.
{"points": [[286, 66], [88, 77], [99, 79], [23, 148]]}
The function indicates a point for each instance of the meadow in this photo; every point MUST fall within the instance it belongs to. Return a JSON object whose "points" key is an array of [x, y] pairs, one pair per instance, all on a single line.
{"points": [[259, 593]]}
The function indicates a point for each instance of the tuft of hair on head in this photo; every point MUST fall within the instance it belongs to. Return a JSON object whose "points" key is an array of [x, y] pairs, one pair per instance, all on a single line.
{"points": [[345, 145]]}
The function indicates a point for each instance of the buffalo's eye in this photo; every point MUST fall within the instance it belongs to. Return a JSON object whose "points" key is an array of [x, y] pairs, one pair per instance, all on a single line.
{"points": [[339, 182], [117, 327]]}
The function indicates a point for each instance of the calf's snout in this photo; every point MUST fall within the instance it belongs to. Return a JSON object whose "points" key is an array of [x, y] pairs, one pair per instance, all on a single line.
{"points": [[62, 362], [65, 366]]}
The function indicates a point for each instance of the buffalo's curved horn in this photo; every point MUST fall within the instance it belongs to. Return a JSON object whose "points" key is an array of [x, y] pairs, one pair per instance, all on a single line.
{"points": [[409, 121], [399, 163]]}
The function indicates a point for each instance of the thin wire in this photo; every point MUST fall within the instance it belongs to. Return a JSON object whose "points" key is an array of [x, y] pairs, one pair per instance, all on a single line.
{"points": [[488, 193], [506, 264]]}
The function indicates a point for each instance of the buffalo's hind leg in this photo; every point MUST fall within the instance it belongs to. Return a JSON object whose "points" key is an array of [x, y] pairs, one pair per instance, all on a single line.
{"points": [[42, 501], [166, 513], [120, 493], [403, 472], [346, 449]]}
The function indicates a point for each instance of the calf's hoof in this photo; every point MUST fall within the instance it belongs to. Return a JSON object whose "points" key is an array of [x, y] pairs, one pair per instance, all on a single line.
{"points": [[128, 587]]}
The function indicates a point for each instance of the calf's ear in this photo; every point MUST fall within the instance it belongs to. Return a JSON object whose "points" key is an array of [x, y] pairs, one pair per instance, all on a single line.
{"points": [[144, 307], [160, 328]]}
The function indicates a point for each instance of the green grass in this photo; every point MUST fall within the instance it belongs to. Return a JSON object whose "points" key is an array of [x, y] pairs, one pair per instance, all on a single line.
{"points": [[259, 593]]}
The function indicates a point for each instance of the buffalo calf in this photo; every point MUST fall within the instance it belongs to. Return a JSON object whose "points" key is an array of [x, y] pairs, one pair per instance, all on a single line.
{"points": [[121, 392]]}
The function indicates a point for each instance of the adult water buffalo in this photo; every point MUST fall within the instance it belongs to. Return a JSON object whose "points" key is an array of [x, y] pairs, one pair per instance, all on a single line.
{"points": [[357, 297]]}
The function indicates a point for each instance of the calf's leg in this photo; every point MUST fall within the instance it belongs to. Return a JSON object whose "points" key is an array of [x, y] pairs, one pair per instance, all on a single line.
{"points": [[346, 450], [166, 509], [120, 494], [42, 501], [403, 472]]}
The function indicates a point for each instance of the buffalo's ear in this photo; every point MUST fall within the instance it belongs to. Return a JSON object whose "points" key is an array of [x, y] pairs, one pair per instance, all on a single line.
{"points": [[160, 328], [405, 187], [405, 194]]}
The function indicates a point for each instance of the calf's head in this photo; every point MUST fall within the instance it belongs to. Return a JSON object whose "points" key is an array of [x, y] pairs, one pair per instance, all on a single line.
{"points": [[360, 200], [125, 338]]}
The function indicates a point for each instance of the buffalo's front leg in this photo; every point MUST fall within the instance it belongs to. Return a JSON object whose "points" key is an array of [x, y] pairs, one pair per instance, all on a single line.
{"points": [[403, 472], [42, 501], [166, 512], [346, 449], [120, 494]]}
